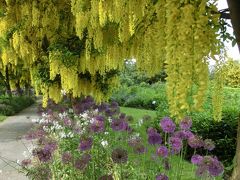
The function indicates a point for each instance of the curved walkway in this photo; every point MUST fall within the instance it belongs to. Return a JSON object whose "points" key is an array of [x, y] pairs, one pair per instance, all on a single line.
{"points": [[12, 145]]}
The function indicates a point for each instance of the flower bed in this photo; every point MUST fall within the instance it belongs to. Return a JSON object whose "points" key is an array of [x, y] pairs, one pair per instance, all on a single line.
{"points": [[90, 141]]}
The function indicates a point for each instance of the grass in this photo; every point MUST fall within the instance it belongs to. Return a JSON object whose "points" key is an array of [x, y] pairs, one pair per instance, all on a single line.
{"points": [[2, 118], [138, 113]]}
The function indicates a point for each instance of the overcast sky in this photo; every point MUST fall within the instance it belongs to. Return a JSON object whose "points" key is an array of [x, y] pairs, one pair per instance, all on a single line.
{"points": [[231, 51]]}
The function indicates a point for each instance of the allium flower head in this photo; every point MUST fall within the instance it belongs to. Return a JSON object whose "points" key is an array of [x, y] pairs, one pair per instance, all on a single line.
{"points": [[209, 144], [183, 134], [67, 122], [186, 123], [151, 130], [119, 156], [99, 118], [167, 125], [195, 142], [196, 159], [106, 177], [86, 144], [162, 151], [215, 168], [154, 138], [82, 163], [97, 126], [139, 149], [66, 157], [43, 155], [119, 125], [161, 177], [176, 143], [26, 162]]}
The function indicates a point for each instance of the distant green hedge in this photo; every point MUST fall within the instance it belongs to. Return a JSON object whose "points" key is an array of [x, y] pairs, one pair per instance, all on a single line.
{"points": [[10, 106]]}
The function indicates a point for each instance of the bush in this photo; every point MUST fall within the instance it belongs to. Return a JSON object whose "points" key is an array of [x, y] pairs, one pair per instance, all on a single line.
{"points": [[10, 106]]}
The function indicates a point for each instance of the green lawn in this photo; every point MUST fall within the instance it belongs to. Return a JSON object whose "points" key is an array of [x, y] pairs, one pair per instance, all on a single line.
{"points": [[137, 113]]}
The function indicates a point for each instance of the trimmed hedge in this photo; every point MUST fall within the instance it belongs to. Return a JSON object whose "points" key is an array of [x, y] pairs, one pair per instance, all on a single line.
{"points": [[10, 106]]}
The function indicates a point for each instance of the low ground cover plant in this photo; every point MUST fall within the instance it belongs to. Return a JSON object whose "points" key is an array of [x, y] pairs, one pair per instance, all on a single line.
{"points": [[90, 141]]}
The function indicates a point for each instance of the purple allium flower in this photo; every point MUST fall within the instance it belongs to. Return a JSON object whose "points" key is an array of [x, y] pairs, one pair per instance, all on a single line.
{"points": [[97, 126], [161, 177], [196, 159], [119, 156], [26, 162], [51, 146], [162, 151], [201, 171], [215, 167], [176, 143], [82, 163], [122, 116], [43, 155], [186, 123], [151, 130], [119, 125], [66, 157], [154, 138], [106, 177], [99, 118], [209, 144], [139, 149], [183, 134], [134, 141], [67, 122], [86, 144], [195, 142], [167, 125]]}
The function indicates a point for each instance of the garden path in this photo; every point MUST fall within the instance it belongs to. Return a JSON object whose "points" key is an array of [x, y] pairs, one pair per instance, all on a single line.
{"points": [[12, 145]]}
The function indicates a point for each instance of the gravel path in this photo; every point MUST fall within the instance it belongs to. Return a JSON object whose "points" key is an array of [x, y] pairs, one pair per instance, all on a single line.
{"points": [[11, 144]]}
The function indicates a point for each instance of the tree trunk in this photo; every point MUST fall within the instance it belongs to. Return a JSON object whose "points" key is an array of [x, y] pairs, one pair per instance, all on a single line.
{"points": [[234, 7], [8, 88]]}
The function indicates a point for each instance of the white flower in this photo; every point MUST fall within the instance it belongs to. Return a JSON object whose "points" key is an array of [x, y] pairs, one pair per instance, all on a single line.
{"points": [[35, 120], [106, 133], [84, 115], [154, 102], [63, 92], [92, 120], [140, 122], [62, 135], [104, 143], [31, 148], [110, 119], [70, 110], [18, 161]]}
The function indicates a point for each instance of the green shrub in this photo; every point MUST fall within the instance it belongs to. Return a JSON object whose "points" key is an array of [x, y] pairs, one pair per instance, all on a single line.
{"points": [[10, 106]]}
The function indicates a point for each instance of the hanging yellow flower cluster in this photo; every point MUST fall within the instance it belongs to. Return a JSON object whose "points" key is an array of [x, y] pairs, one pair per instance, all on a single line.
{"points": [[80, 45], [232, 73]]}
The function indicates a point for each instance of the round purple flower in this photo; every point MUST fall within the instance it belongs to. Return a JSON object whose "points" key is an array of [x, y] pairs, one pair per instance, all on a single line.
{"points": [[82, 163], [201, 171], [99, 118], [154, 138], [51, 146], [183, 134], [119, 156], [186, 123], [106, 177], [97, 126], [44, 155], [167, 125], [119, 125], [86, 144], [196, 159], [151, 130], [139, 149], [176, 144], [161, 177], [26, 162], [67, 122], [195, 142], [162, 151], [209, 144], [215, 168], [66, 157]]}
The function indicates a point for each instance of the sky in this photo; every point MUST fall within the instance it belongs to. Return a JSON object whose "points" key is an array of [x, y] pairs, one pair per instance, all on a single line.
{"points": [[231, 51]]}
